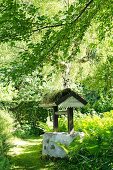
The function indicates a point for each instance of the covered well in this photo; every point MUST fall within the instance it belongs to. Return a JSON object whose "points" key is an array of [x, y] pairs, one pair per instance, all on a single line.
{"points": [[68, 100]]}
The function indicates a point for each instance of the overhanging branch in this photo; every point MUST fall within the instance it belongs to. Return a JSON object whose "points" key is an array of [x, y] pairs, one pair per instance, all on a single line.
{"points": [[62, 24], [82, 11], [48, 26]]}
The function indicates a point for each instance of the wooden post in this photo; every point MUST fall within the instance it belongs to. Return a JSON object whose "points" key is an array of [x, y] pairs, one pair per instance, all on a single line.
{"points": [[70, 120], [55, 119]]}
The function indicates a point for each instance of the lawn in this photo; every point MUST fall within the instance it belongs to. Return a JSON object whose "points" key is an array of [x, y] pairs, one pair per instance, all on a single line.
{"points": [[26, 154]]}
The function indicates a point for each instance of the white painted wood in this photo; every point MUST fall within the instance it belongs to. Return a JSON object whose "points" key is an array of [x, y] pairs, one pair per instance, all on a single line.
{"points": [[71, 102]]}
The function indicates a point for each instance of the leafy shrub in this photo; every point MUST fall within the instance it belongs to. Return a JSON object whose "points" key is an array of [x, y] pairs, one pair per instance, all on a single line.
{"points": [[105, 103], [28, 115], [5, 133], [63, 124], [22, 131], [48, 126], [95, 150]]}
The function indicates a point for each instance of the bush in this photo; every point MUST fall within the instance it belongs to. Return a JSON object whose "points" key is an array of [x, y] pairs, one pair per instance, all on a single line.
{"points": [[5, 133], [95, 150], [48, 125], [28, 115], [63, 124]]}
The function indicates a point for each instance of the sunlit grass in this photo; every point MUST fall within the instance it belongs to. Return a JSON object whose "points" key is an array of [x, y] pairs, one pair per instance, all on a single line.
{"points": [[21, 145], [27, 154]]}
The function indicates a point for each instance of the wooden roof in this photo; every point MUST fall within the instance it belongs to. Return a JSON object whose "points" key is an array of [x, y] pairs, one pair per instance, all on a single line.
{"points": [[62, 96], [66, 93]]}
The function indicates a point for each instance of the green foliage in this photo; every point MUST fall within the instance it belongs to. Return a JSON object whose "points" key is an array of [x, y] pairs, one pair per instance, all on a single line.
{"points": [[98, 86], [6, 123], [13, 12], [34, 39], [28, 115], [48, 125], [103, 77], [62, 123], [105, 103], [55, 44], [94, 151], [33, 35], [7, 92]]}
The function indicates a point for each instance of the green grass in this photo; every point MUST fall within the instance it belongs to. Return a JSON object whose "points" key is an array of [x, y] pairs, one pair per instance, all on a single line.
{"points": [[94, 152], [26, 154]]}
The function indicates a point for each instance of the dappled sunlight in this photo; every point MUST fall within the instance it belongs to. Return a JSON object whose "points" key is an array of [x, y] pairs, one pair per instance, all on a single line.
{"points": [[50, 164], [20, 145], [16, 151], [26, 154], [21, 142], [34, 141]]}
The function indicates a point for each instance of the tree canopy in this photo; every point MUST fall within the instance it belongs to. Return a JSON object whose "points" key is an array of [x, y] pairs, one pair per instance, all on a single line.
{"points": [[44, 41], [57, 37]]}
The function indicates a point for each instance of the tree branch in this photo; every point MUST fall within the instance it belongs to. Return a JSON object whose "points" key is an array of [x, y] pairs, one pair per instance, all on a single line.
{"points": [[59, 25], [49, 26], [82, 11]]}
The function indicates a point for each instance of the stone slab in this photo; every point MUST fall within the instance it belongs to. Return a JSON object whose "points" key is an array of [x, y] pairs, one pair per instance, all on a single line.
{"points": [[52, 141]]}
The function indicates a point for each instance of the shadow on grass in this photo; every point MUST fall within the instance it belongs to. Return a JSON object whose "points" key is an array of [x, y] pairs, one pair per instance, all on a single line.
{"points": [[27, 154]]}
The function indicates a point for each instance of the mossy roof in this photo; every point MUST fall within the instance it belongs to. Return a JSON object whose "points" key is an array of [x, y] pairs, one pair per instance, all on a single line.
{"points": [[57, 97]]}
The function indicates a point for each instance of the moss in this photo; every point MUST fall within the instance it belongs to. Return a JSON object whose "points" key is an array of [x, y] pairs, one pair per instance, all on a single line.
{"points": [[54, 96]]}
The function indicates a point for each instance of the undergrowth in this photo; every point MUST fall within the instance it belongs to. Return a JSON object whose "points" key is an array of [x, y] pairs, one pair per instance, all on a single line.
{"points": [[6, 123], [95, 150]]}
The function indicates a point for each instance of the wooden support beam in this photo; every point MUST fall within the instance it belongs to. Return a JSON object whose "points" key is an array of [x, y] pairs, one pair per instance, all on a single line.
{"points": [[55, 118], [70, 120]]}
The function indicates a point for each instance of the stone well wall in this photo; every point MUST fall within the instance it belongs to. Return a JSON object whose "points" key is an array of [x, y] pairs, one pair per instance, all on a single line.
{"points": [[52, 141]]}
